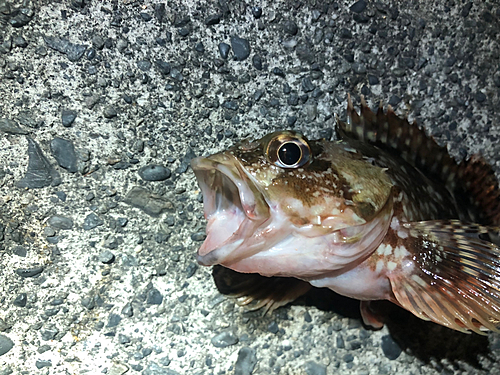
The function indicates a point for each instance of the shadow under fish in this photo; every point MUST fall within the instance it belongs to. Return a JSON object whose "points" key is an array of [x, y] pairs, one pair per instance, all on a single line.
{"points": [[384, 213]]}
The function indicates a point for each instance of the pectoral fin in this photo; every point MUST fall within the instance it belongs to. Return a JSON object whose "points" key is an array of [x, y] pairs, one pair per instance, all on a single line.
{"points": [[451, 275], [256, 291]]}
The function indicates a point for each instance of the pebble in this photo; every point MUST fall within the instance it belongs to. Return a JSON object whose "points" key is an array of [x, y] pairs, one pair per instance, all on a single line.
{"points": [[144, 65], [92, 221], [11, 127], [64, 153], [6, 344], [106, 257], [41, 364], [113, 320], [29, 272], [40, 173], [290, 27], [152, 204], [127, 310], [154, 369], [68, 116], [224, 50], [307, 84], [240, 47], [213, 19], [358, 6], [256, 11], [49, 333], [60, 222], [20, 300], [480, 97], [224, 339], [246, 361], [154, 172], [74, 52], [390, 348], [154, 297], [257, 62], [110, 112], [313, 368]]}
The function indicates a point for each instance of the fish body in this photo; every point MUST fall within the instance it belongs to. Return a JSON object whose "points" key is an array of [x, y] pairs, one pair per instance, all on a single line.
{"points": [[383, 213]]}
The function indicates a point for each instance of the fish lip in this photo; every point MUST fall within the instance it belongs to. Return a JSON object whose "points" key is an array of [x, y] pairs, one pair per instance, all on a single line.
{"points": [[251, 206]]}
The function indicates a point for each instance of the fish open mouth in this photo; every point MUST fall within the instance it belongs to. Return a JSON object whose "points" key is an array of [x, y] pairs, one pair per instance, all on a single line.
{"points": [[233, 206]]}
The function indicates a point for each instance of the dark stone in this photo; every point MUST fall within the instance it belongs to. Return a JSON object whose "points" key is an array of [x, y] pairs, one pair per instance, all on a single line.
{"points": [[5, 344], [305, 53], [358, 6], [150, 203], [450, 61], [144, 65], [313, 368], [480, 97], [257, 62], [110, 112], [373, 80], [307, 84], [256, 11], [394, 100], [273, 327], [154, 297], [154, 172], [146, 16], [290, 27], [19, 41], [64, 153], [106, 257], [213, 19], [199, 47], [74, 52], [68, 117], [20, 300], [163, 67], [279, 72], [11, 127], [39, 364], [245, 362], [224, 50], [92, 221], [466, 9], [49, 333], [127, 310], [60, 222], [240, 47], [390, 348], [40, 173], [113, 320], [224, 339], [29, 272]]}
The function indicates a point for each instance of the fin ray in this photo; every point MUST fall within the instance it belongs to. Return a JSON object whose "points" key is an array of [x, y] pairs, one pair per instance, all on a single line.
{"points": [[455, 280]]}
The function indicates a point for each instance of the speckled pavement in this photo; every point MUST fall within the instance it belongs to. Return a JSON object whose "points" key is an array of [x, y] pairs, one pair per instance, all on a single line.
{"points": [[104, 103]]}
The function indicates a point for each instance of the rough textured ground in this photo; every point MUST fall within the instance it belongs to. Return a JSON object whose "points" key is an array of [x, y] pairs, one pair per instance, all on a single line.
{"points": [[97, 98]]}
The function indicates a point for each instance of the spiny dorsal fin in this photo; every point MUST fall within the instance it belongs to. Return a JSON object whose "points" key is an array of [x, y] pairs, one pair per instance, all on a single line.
{"points": [[474, 178]]}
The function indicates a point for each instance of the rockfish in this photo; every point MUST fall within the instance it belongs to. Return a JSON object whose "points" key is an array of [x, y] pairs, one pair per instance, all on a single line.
{"points": [[383, 213]]}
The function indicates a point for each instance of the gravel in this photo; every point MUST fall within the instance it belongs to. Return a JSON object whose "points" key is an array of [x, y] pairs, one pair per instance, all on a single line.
{"points": [[104, 105]]}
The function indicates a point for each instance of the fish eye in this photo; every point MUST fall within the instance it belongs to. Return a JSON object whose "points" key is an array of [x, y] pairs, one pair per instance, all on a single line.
{"points": [[288, 151]]}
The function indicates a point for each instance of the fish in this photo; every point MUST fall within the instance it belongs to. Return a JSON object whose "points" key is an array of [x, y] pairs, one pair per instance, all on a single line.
{"points": [[383, 212]]}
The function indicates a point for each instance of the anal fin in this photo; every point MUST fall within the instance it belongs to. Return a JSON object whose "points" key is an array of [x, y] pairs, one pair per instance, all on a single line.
{"points": [[450, 276]]}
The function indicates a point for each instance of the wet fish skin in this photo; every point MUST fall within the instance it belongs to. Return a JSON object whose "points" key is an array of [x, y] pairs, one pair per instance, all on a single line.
{"points": [[382, 213]]}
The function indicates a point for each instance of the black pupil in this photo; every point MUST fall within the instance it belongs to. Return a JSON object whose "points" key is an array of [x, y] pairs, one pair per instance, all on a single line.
{"points": [[289, 153]]}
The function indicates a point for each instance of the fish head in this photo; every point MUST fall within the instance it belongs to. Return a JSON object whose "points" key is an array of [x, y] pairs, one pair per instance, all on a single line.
{"points": [[286, 206]]}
